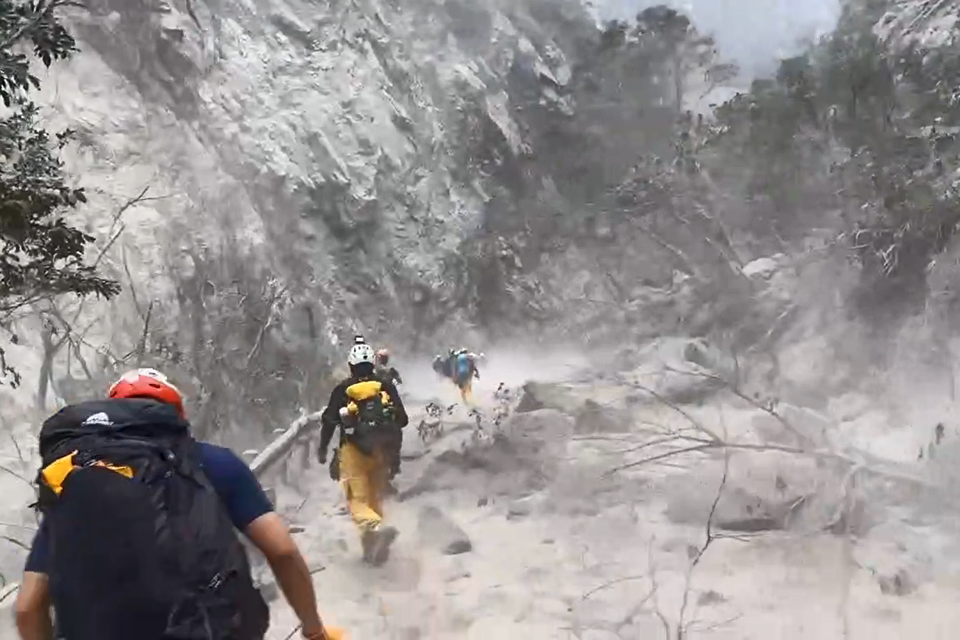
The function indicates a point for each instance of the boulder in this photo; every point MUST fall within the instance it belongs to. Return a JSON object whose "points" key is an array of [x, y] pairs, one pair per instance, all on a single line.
{"points": [[593, 417], [547, 395], [438, 530]]}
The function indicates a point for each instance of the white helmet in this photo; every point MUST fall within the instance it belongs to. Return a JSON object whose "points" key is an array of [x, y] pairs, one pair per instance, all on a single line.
{"points": [[361, 353]]}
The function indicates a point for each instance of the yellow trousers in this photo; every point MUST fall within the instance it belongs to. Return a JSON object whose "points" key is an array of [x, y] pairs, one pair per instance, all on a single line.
{"points": [[364, 479], [466, 390]]}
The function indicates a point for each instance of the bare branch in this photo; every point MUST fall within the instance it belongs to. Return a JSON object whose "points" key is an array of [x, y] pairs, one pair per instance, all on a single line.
{"points": [[654, 589], [132, 289], [142, 346], [682, 624], [769, 410]]}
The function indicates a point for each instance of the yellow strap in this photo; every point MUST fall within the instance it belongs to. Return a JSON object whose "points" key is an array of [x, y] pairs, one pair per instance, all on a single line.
{"points": [[55, 473]]}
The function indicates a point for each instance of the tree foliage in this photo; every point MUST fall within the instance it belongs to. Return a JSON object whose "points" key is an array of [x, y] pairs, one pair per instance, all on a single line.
{"points": [[863, 127], [41, 253]]}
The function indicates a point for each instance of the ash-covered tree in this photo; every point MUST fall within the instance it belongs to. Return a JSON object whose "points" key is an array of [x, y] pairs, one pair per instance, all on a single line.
{"points": [[670, 36], [41, 253], [859, 126]]}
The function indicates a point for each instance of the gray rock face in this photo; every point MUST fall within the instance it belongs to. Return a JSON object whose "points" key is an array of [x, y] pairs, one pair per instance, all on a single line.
{"points": [[356, 144]]}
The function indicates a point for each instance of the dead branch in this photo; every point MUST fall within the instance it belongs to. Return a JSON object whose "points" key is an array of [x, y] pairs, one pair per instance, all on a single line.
{"points": [[682, 625], [264, 327], [142, 345], [654, 590], [13, 473], [766, 408], [117, 227], [675, 407], [50, 349], [714, 441], [610, 583], [131, 288], [16, 445]]}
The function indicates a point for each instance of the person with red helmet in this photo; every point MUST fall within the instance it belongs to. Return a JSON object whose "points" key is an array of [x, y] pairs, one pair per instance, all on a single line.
{"points": [[138, 531], [387, 373]]}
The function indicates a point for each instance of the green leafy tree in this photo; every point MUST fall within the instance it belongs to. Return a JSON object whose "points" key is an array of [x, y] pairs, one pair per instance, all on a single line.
{"points": [[41, 253]]}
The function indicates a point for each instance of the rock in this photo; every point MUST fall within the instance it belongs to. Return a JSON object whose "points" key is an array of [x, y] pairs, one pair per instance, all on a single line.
{"points": [[760, 268], [438, 530], [546, 395], [680, 369], [594, 417], [763, 492], [529, 400], [898, 584], [518, 509], [710, 597]]}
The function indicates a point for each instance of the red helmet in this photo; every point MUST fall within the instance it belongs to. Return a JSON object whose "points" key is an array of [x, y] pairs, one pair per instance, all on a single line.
{"points": [[147, 383]]}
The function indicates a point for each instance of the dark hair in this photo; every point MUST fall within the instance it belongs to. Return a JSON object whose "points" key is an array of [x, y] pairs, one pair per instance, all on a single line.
{"points": [[362, 369]]}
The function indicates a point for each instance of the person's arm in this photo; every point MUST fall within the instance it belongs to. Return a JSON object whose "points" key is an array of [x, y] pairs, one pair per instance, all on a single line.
{"points": [[396, 375], [400, 413], [272, 537], [252, 513], [32, 609]]}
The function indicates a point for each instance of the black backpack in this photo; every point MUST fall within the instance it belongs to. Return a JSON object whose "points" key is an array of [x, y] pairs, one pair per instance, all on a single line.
{"points": [[373, 422], [140, 543]]}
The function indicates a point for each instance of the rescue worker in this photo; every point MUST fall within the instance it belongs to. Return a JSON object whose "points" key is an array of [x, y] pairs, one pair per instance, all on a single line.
{"points": [[384, 370], [367, 411], [145, 398], [464, 369], [460, 366], [386, 373]]}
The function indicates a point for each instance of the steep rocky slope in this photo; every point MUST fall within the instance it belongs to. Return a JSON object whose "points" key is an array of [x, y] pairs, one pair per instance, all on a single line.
{"points": [[353, 145], [266, 180]]}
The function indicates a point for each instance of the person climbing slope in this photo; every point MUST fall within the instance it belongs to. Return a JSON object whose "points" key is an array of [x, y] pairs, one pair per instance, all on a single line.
{"points": [[441, 365], [460, 367], [367, 411], [137, 535], [464, 369]]}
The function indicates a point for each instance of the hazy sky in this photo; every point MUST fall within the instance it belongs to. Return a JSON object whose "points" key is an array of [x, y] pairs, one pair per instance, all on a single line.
{"points": [[754, 32]]}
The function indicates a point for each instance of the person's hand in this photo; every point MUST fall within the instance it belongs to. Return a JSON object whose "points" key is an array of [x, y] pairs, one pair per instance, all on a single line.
{"points": [[314, 633], [321, 456], [323, 633], [476, 374]]}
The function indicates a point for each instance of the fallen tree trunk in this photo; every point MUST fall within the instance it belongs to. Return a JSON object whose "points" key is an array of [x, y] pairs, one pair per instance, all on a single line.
{"points": [[284, 443]]}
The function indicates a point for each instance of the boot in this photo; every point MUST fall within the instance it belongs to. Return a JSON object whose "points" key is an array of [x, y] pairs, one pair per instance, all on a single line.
{"points": [[380, 551], [368, 543]]}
